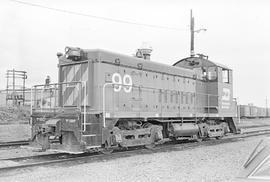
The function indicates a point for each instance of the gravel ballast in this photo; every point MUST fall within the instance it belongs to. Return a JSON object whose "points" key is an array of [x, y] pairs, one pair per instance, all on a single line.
{"points": [[206, 163], [14, 132]]}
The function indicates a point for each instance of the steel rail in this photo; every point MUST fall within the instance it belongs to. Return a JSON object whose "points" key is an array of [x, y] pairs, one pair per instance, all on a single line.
{"points": [[18, 143], [14, 143], [90, 157]]}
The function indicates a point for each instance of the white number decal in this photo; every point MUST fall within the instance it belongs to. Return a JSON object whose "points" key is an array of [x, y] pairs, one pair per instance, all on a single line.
{"points": [[127, 81], [117, 80]]}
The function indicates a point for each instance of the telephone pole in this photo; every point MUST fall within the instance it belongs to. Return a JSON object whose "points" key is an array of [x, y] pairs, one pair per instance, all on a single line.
{"points": [[192, 54], [15, 90], [266, 104], [192, 31]]}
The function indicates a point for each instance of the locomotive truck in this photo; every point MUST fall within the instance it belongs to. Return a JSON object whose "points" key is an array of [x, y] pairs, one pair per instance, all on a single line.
{"points": [[105, 100]]}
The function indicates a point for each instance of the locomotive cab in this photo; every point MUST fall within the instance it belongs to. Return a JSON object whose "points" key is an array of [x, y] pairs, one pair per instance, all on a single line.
{"points": [[214, 89]]}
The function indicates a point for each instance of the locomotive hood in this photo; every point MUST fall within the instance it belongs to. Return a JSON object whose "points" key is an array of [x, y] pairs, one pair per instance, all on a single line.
{"points": [[105, 56], [196, 62]]}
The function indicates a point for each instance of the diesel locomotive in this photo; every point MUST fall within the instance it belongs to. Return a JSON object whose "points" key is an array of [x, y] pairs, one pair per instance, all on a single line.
{"points": [[105, 100]]}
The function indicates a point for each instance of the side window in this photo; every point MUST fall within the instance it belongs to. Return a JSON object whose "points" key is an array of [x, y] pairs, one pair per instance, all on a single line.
{"points": [[225, 76], [212, 74], [204, 73]]}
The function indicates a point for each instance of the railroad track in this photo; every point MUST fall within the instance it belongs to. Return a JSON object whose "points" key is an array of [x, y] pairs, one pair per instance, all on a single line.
{"points": [[251, 129], [14, 143], [72, 159], [17, 143]]}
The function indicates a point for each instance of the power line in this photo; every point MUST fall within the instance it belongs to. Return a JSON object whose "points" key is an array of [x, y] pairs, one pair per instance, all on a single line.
{"points": [[97, 17]]}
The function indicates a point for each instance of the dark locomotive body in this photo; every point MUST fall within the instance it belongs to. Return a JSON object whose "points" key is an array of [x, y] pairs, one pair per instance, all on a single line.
{"points": [[105, 100]]}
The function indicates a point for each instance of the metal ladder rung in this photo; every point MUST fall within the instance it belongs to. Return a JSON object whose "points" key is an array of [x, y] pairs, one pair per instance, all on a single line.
{"points": [[90, 147], [90, 123], [90, 135]]}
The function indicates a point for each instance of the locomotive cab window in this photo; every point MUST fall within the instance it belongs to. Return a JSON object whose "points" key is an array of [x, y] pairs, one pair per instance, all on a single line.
{"points": [[204, 73], [212, 74], [225, 76]]}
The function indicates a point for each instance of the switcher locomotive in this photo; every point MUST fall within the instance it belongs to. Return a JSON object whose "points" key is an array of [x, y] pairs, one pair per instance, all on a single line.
{"points": [[104, 100]]}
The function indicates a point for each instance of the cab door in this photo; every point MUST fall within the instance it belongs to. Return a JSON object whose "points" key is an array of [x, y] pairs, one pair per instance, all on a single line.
{"points": [[226, 104]]}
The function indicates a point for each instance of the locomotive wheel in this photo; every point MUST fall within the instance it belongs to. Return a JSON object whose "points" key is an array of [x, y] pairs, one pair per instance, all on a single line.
{"points": [[219, 137], [173, 139], [198, 138], [107, 150], [154, 133]]}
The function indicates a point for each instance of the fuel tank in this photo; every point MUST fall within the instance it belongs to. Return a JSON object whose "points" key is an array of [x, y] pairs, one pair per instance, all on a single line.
{"points": [[184, 129]]}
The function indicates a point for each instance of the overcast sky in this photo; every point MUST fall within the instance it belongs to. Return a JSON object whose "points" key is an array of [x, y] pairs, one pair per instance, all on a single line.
{"points": [[238, 35]]}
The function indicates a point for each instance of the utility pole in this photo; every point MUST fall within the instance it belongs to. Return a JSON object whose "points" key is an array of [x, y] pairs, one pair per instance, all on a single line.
{"points": [[192, 31], [238, 109], [192, 54], [266, 106], [14, 90], [13, 87]]}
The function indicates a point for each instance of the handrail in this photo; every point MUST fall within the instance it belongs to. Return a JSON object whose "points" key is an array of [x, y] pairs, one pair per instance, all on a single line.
{"points": [[35, 87], [84, 107], [41, 97], [104, 99], [58, 83], [31, 105], [103, 102], [197, 95], [83, 84]]}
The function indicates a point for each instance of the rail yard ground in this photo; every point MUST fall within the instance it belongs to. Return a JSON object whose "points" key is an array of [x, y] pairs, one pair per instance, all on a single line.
{"points": [[15, 115], [13, 132], [220, 162], [204, 163]]}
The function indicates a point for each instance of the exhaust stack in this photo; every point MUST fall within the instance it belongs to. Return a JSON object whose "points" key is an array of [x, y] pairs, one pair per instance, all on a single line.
{"points": [[144, 51]]}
